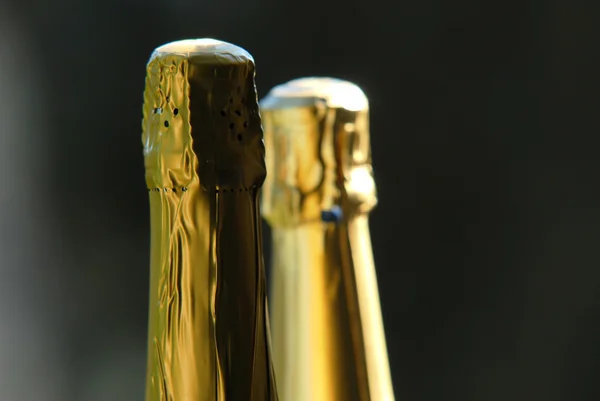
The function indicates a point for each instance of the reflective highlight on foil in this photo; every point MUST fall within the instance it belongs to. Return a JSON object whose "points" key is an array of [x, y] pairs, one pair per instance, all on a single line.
{"points": [[204, 157], [328, 337]]}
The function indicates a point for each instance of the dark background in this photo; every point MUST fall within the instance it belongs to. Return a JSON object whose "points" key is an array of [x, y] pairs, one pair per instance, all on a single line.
{"points": [[485, 150]]}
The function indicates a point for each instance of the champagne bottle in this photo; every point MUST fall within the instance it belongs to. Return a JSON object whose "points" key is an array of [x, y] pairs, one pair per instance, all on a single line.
{"points": [[328, 337], [208, 336]]}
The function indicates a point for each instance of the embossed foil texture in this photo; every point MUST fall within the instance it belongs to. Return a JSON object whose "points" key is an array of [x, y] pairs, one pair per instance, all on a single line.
{"points": [[204, 157], [328, 338]]}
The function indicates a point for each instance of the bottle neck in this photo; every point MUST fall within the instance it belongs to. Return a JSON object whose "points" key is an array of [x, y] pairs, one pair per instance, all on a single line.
{"points": [[328, 338], [207, 327], [373, 335]]}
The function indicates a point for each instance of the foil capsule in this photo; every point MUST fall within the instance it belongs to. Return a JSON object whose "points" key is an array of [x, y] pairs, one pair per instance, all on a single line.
{"points": [[208, 334], [201, 106], [328, 337], [319, 154]]}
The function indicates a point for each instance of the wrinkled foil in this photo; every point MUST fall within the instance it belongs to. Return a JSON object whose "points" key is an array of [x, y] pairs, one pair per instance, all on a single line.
{"points": [[208, 335], [327, 330]]}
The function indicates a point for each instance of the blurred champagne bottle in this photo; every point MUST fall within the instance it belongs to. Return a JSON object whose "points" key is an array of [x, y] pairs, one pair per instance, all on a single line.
{"points": [[328, 337], [208, 334]]}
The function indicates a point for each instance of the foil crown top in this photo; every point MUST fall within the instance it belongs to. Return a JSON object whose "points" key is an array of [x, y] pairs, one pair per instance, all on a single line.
{"points": [[336, 93], [209, 50]]}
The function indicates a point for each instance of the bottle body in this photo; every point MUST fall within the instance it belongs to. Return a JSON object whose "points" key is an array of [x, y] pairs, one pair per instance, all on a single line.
{"points": [[208, 335], [328, 337]]}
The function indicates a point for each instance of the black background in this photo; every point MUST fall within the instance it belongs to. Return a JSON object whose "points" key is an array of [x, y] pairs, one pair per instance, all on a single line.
{"points": [[485, 149]]}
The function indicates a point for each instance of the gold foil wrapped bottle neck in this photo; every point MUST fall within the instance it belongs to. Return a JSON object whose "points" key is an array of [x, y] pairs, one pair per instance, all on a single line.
{"points": [[328, 337], [208, 335], [319, 151]]}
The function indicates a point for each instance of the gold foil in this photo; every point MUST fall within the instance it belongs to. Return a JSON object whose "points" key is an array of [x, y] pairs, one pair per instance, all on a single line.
{"points": [[208, 336], [328, 337]]}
